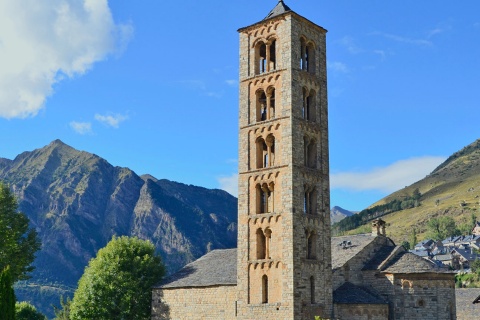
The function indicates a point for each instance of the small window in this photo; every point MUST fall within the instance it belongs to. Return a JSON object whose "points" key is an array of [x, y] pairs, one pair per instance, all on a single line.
{"points": [[312, 290], [261, 244], [264, 289]]}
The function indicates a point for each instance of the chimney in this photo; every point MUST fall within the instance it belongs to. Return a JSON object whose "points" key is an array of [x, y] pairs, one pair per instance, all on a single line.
{"points": [[378, 228]]}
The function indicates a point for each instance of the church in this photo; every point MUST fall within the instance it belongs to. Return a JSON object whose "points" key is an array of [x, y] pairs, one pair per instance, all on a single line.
{"points": [[286, 264]]}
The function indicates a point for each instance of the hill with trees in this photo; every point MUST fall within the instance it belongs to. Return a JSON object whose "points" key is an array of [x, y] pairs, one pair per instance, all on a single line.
{"points": [[452, 190]]}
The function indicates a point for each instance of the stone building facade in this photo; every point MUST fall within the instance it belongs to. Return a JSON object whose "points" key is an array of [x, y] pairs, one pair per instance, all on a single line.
{"points": [[286, 265]]}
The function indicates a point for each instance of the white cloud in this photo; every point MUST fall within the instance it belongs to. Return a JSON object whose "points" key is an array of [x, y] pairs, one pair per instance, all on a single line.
{"points": [[381, 53], [337, 66], [387, 179], [402, 39], [232, 83], [43, 42], [81, 127], [349, 43], [112, 120], [229, 184]]}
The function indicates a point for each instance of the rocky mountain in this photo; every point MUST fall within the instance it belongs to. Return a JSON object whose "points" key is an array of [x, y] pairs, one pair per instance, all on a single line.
{"points": [[452, 189], [77, 201], [337, 214]]}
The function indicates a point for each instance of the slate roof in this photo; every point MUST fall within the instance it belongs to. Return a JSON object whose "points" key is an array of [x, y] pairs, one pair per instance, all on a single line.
{"points": [[408, 262], [341, 254], [348, 293], [420, 253], [379, 257], [218, 267], [465, 253], [466, 307], [279, 9]]}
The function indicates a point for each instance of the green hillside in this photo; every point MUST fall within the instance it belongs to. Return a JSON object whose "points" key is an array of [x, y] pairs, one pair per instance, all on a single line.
{"points": [[452, 189]]}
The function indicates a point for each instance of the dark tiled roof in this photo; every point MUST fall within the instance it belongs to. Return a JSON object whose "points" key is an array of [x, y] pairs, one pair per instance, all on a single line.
{"points": [[466, 309], [420, 253], [379, 257], [218, 267], [348, 293], [341, 254], [465, 253], [279, 9], [407, 262]]}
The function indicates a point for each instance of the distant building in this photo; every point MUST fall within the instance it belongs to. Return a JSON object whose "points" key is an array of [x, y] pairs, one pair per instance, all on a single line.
{"points": [[476, 229]]}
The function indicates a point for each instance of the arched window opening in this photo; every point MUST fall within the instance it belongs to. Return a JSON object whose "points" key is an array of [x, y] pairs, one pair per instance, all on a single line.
{"points": [[311, 245], [265, 198], [311, 107], [310, 153], [265, 56], [270, 159], [303, 63], [261, 244], [313, 201], [261, 106], [310, 200], [310, 58], [270, 202], [273, 56], [262, 152], [271, 105], [261, 58], [264, 289], [265, 105], [312, 290], [268, 242], [307, 56]]}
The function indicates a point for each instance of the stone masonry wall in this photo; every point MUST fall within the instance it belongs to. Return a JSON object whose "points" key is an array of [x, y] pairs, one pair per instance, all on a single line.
{"points": [[361, 311], [208, 303]]}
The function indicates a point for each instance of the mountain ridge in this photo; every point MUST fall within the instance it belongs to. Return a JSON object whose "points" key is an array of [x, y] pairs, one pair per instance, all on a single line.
{"points": [[77, 201]]}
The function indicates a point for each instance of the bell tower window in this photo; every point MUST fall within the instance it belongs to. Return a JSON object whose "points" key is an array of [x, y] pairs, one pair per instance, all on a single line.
{"points": [[310, 153], [265, 198], [309, 105], [310, 200], [261, 244], [307, 56], [265, 56]]}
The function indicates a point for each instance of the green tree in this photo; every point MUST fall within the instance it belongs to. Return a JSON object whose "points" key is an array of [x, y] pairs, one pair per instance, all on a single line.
{"points": [[18, 242], [473, 221], [63, 313], [117, 283], [441, 228], [413, 238], [475, 266], [25, 311], [7, 295], [406, 245]]}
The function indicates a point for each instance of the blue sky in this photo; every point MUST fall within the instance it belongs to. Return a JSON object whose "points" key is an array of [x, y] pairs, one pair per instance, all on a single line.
{"points": [[153, 85]]}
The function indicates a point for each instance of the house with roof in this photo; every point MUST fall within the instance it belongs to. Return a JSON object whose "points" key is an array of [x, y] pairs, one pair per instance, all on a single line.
{"points": [[476, 229]]}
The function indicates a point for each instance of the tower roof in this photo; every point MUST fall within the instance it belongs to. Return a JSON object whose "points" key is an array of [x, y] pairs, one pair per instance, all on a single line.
{"points": [[279, 9]]}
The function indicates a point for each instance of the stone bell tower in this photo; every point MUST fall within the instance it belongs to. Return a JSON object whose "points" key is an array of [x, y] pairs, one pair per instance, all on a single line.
{"points": [[284, 254]]}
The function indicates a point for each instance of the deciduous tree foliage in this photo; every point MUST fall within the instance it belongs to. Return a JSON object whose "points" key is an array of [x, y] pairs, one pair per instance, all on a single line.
{"points": [[117, 283], [18, 242], [441, 228], [7, 296], [25, 311]]}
